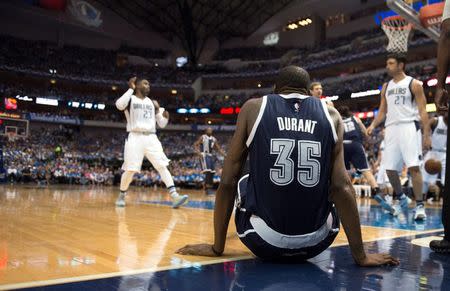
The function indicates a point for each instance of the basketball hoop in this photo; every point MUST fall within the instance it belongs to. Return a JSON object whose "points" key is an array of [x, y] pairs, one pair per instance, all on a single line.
{"points": [[431, 15], [397, 30]]}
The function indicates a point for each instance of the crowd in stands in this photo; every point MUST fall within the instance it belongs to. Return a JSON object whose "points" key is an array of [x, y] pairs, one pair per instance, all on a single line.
{"points": [[81, 64], [66, 155], [98, 65]]}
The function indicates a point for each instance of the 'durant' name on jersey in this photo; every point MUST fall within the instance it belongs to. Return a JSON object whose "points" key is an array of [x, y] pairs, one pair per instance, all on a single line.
{"points": [[296, 124]]}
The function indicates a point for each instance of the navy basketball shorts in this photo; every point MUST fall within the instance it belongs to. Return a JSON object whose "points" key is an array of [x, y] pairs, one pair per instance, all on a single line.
{"points": [[207, 163], [268, 244], [354, 154]]}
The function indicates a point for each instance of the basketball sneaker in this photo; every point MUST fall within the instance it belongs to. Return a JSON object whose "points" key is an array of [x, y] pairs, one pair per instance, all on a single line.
{"points": [[179, 200], [120, 202], [419, 212], [383, 203]]}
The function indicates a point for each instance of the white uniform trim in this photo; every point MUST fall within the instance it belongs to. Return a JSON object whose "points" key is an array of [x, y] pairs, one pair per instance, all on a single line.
{"points": [[246, 232], [239, 197], [258, 120], [290, 241], [327, 114], [294, 95]]}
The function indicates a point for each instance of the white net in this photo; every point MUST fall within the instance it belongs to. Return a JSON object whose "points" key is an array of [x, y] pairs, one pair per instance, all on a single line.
{"points": [[397, 30]]}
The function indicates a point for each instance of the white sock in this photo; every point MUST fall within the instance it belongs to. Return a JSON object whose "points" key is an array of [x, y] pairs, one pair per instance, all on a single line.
{"points": [[125, 180], [166, 177]]}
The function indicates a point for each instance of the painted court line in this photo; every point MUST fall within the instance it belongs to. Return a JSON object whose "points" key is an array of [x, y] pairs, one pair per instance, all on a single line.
{"points": [[165, 268]]}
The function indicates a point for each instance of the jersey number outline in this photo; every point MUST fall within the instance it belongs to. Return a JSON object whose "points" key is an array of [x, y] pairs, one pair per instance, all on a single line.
{"points": [[397, 100], [308, 173]]}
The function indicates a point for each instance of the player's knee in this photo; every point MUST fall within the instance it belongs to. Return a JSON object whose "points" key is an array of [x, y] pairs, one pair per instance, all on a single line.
{"points": [[161, 168], [446, 29]]}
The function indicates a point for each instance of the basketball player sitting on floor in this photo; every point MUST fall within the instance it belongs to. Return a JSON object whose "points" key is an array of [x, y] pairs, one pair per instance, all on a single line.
{"points": [[284, 206], [142, 114], [438, 150]]}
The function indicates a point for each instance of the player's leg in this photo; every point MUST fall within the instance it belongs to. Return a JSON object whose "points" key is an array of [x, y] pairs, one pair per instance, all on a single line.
{"points": [[392, 161], [359, 161], [209, 174], [444, 244], [411, 150], [160, 162], [133, 156], [125, 181]]}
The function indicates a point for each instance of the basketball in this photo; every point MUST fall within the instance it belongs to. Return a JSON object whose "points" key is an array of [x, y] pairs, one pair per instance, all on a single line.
{"points": [[433, 166]]}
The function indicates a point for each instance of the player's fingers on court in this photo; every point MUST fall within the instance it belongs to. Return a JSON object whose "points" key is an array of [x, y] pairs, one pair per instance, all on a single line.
{"points": [[390, 260], [183, 250]]}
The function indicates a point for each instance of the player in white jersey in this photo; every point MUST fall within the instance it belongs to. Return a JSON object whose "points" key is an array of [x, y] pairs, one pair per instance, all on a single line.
{"points": [[402, 102], [205, 146], [142, 114], [438, 150]]}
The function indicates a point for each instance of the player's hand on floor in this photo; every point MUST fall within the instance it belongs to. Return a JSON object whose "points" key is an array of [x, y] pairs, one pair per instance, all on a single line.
{"points": [[374, 260], [205, 250]]}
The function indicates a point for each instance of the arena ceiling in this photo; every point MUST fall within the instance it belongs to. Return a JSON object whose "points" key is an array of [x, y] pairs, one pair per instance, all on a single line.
{"points": [[193, 22]]}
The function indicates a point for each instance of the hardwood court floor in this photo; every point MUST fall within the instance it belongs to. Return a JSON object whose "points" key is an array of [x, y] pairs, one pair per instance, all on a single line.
{"points": [[63, 234]]}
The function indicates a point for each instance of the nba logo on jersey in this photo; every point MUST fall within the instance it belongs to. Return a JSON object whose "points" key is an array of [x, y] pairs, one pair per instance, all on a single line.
{"points": [[297, 106]]}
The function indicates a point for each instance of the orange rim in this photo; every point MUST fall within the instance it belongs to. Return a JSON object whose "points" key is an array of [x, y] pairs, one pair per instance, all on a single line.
{"points": [[385, 23], [431, 13]]}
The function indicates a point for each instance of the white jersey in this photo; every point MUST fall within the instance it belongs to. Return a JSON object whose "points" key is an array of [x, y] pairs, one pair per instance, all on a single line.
{"points": [[140, 113], [207, 144], [401, 106], [439, 136]]}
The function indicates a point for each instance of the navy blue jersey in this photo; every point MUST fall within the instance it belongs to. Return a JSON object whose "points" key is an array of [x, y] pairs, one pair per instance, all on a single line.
{"points": [[290, 148], [352, 131]]}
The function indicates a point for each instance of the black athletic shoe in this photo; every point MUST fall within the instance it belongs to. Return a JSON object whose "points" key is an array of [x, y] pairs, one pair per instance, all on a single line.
{"points": [[440, 246]]}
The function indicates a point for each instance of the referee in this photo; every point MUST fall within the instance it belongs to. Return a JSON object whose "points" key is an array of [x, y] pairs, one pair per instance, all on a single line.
{"points": [[441, 100]]}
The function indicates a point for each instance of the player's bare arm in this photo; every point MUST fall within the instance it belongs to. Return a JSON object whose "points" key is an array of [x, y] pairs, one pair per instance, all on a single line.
{"points": [[219, 149], [362, 127], [343, 196], [197, 145], [234, 161], [382, 110], [421, 102], [443, 65], [124, 100]]}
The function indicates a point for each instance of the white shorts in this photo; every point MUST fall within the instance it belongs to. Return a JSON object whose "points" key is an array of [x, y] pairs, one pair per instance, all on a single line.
{"points": [[139, 145], [431, 179], [403, 145]]}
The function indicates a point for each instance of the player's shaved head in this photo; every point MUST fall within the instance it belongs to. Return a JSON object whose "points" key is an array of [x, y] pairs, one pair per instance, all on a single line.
{"points": [[344, 111], [292, 79]]}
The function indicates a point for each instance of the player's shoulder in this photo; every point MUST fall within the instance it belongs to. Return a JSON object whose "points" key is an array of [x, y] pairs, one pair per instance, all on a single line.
{"points": [[252, 105]]}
